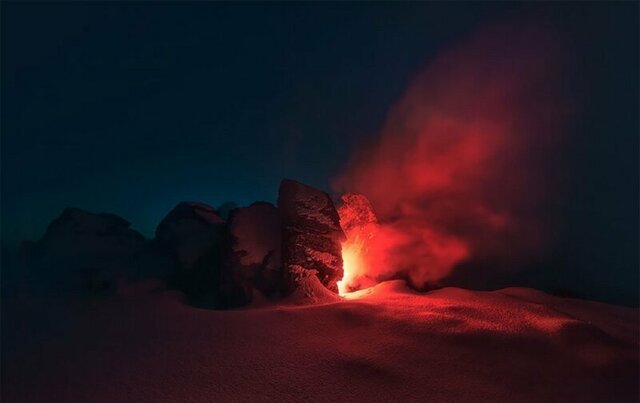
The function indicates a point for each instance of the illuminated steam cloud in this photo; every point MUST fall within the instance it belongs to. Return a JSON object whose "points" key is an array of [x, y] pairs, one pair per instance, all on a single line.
{"points": [[466, 163]]}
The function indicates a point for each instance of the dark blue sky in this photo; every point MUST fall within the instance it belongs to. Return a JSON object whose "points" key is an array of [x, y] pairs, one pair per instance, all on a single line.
{"points": [[130, 108]]}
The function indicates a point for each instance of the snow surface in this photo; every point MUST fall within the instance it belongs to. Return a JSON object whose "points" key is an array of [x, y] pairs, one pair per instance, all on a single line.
{"points": [[383, 344]]}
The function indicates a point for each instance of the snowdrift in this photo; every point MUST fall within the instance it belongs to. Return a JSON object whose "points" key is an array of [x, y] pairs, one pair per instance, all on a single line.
{"points": [[384, 344]]}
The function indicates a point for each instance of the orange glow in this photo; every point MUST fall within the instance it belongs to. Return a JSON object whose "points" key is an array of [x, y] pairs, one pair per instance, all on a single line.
{"points": [[464, 168], [375, 252], [359, 251], [353, 264]]}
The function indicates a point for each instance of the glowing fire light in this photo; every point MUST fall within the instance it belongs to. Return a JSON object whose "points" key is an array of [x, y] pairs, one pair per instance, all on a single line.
{"points": [[352, 262], [374, 251], [361, 226]]}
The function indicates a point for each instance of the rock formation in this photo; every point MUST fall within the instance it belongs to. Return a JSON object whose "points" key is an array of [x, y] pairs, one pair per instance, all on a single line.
{"points": [[82, 250], [254, 256], [312, 235], [192, 235], [260, 251]]}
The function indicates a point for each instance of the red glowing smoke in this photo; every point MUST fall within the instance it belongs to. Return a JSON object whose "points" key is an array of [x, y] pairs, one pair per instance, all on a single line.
{"points": [[464, 166]]}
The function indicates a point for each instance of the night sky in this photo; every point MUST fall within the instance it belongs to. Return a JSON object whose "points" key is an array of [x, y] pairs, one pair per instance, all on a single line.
{"points": [[131, 108]]}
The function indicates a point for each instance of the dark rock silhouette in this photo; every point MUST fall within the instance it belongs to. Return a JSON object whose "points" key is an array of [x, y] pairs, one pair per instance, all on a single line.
{"points": [[312, 235], [261, 251], [192, 235], [226, 208], [188, 232], [82, 250], [254, 259]]}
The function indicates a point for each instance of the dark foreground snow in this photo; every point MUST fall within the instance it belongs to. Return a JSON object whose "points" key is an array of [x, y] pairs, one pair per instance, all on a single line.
{"points": [[386, 344]]}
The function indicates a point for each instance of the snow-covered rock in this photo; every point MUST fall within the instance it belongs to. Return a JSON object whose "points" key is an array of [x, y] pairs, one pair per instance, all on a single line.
{"points": [[355, 211], [312, 235], [309, 290]]}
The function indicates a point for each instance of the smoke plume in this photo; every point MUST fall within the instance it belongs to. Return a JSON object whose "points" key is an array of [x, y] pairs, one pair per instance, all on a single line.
{"points": [[466, 166]]}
